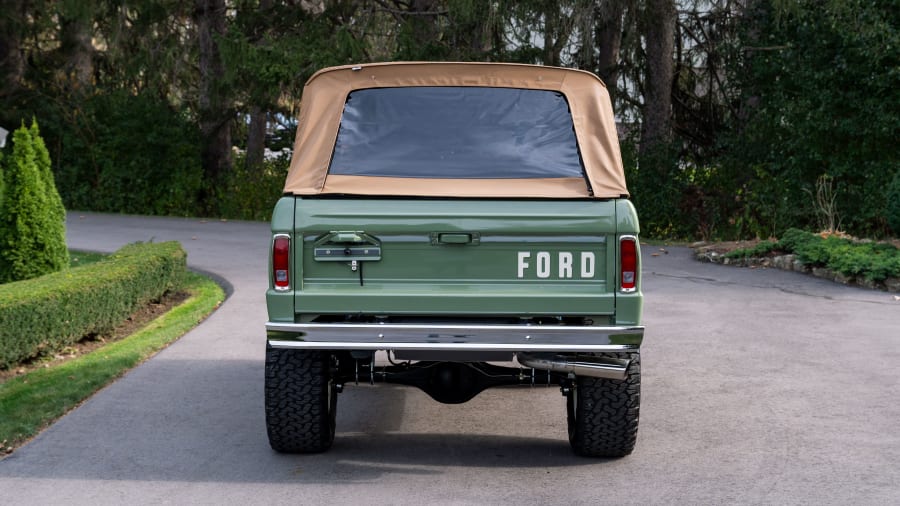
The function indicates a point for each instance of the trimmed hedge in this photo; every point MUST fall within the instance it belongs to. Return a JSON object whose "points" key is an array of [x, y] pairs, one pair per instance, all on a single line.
{"points": [[43, 315]]}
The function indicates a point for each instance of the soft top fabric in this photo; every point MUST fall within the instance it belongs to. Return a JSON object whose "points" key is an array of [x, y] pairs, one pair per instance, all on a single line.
{"points": [[326, 92]]}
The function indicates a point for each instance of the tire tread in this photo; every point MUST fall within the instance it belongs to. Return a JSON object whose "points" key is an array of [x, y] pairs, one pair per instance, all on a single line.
{"points": [[606, 422], [298, 419]]}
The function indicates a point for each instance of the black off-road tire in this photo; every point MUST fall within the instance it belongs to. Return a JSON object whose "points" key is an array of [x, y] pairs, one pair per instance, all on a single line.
{"points": [[603, 413], [300, 400]]}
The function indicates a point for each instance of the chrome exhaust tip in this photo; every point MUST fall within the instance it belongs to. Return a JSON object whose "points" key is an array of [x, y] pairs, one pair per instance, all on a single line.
{"points": [[593, 367]]}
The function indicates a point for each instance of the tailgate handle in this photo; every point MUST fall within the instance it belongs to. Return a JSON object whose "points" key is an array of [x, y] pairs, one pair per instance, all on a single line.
{"points": [[456, 239]]}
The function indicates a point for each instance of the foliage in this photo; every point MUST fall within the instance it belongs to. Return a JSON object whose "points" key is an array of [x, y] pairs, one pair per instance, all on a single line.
{"points": [[2, 181], [251, 194], [32, 218], [30, 402], [821, 97], [893, 205], [270, 52], [128, 153], [43, 315], [767, 99], [78, 258], [872, 261], [760, 250], [657, 186]]}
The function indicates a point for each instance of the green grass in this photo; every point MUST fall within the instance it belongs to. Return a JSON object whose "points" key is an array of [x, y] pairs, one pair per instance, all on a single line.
{"points": [[31, 402], [77, 258]]}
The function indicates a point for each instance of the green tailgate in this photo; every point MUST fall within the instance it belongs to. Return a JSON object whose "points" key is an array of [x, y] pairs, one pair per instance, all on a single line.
{"points": [[451, 257]]}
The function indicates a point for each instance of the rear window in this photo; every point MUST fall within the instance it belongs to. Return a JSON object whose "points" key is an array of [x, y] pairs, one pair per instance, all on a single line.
{"points": [[456, 133]]}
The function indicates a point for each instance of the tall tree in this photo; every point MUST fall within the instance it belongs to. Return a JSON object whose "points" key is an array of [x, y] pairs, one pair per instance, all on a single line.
{"points": [[213, 111], [608, 39], [76, 31], [256, 130], [658, 28], [12, 61]]}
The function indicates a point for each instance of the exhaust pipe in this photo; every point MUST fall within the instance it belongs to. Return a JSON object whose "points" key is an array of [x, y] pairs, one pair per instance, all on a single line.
{"points": [[594, 367]]}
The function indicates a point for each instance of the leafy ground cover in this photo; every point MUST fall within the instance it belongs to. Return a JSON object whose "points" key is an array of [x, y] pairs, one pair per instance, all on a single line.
{"points": [[866, 262], [33, 395]]}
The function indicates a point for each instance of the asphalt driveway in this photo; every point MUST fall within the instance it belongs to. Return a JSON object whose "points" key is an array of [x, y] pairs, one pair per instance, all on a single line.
{"points": [[759, 387]]}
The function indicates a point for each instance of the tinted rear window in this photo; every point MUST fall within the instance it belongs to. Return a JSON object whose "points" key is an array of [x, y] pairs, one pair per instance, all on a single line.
{"points": [[456, 132]]}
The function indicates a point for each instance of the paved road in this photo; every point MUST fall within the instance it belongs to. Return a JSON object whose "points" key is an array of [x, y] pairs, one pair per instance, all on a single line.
{"points": [[760, 387]]}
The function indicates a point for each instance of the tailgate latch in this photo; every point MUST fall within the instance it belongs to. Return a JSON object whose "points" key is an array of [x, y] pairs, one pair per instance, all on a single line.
{"points": [[354, 248], [351, 247]]}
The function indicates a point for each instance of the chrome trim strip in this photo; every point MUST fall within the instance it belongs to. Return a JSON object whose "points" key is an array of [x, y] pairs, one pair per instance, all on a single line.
{"points": [[370, 346], [456, 337]]}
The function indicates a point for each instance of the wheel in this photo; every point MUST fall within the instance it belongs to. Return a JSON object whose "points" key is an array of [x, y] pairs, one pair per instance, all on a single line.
{"points": [[300, 399], [603, 413]]}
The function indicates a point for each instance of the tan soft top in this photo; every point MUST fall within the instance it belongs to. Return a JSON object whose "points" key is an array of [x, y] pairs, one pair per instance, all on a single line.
{"points": [[326, 92]]}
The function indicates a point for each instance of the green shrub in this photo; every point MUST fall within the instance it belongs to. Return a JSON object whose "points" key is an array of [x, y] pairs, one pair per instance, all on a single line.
{"points": [[761, 249], [252, 194], [792, 238], [32, 219], [871, 261], [127, 153], [893, 205], [43, 315]]}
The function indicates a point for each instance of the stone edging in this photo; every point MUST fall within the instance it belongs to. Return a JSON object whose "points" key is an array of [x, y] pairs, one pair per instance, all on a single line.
{"points": [[791, 263]]}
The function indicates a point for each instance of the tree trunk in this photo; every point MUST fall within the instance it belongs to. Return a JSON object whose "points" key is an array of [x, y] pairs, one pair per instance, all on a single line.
{"points": [[659, 36], [557, 29], [550, 57], [12, 61], [77, 48], [213, 112], [256, 131], [609, 42], [424, 22], [256, 139]]}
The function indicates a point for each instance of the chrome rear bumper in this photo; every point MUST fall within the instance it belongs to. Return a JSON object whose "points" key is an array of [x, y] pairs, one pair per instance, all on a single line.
{"points": [[345, 336]]}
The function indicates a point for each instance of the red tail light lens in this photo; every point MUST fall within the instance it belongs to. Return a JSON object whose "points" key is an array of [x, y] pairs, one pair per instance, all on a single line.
{"points": [[281, 262], [629, 263]]}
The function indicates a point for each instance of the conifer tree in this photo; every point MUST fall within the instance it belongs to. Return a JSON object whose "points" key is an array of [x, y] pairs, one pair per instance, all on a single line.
{"points": [[32, 235], [57, 222]]}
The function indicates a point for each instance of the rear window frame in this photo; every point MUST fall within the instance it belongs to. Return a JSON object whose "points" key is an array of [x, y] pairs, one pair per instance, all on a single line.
{"points": [[570, 129]]}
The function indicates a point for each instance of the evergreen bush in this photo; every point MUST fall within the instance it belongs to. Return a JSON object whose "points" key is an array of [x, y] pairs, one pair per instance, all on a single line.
{"points": [[32, 219]]}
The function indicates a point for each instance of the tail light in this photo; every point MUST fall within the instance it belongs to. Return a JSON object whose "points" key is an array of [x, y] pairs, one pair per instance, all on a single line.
{"points": [[281, 262], [628, 256]]}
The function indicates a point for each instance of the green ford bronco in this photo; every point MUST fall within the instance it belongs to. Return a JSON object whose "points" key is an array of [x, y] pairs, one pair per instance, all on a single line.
{"points": [[454, 227]]}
